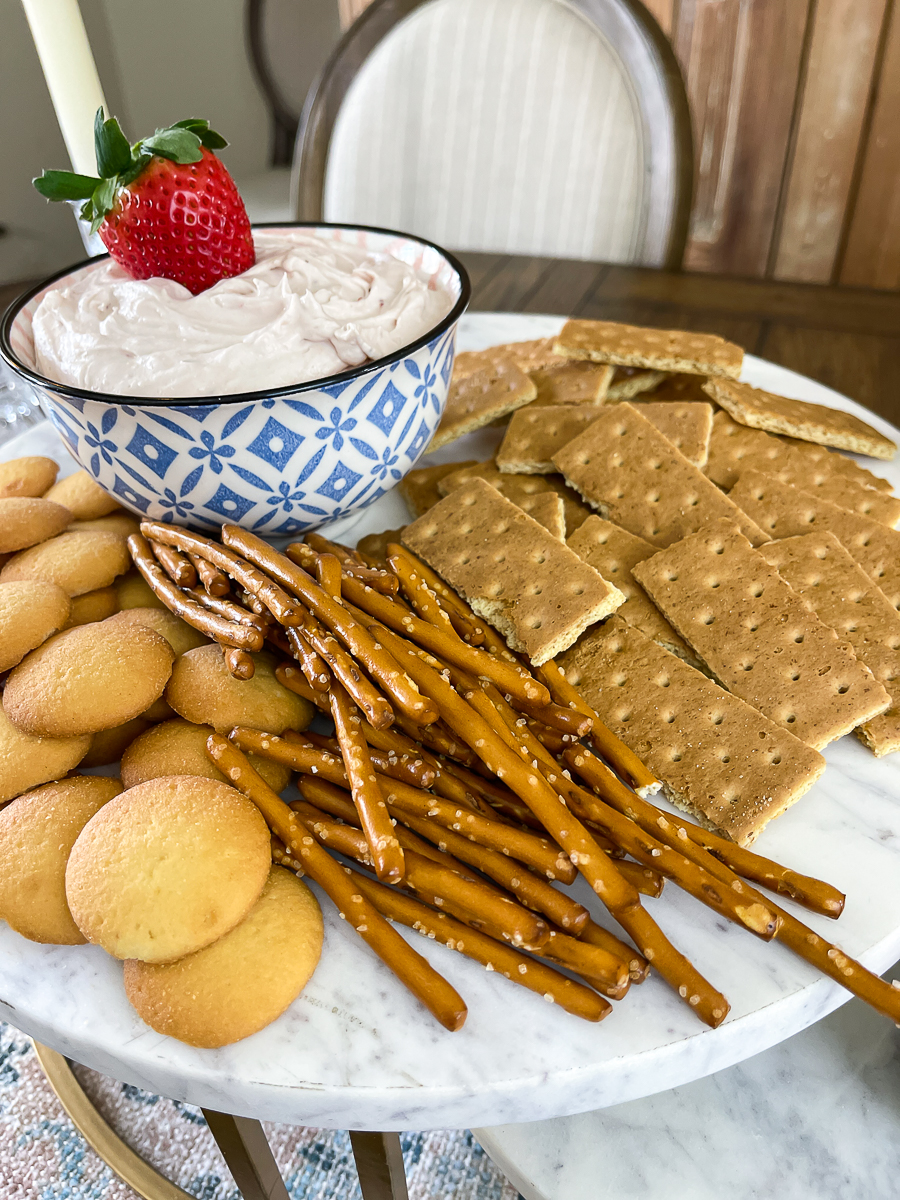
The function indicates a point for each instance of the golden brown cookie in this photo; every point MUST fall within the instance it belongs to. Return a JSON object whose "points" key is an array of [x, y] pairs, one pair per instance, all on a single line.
{"points": [[29, 613], [167, 868], [159, 710], [25, 521], [83, 497], [203, 690], [133, 591], [119, 522], [76, 562], [86, 679], [109, 745], [27, 761], [30, 476], [91, 606], [178, 633], [37, 832], [179, 748], [242, 982]]}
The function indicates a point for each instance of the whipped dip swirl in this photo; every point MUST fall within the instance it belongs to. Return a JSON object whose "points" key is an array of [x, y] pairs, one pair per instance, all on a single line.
{"points": [[307, 309]]}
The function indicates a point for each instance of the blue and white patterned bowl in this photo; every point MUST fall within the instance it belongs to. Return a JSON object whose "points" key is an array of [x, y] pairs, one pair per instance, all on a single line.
{"points": [[278, 461]]}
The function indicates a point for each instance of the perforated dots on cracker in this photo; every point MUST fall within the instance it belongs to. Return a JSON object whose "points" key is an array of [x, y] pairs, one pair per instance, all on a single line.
{"points": [[659, 349]]}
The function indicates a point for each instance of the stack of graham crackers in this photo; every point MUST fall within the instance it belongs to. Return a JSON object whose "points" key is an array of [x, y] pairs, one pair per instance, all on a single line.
{"points": [[718, 580]]}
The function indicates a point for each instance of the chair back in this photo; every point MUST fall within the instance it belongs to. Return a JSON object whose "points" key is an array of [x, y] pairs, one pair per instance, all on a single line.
{"points": [[541, 127]]}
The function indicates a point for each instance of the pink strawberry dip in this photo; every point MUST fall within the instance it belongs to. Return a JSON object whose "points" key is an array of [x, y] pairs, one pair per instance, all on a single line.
{"points": [[307, 309]]}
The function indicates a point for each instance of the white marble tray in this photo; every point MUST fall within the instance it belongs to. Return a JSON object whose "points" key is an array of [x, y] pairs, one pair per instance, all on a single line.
{"points": [[355, 1051]]}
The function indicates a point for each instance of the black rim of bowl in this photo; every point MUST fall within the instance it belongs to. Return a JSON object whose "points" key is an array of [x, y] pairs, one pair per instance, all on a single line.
{"points": [[64, 389]]}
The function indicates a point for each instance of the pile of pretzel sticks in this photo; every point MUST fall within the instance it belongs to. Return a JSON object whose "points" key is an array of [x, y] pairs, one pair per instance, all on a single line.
{"points": [[463, 785]]}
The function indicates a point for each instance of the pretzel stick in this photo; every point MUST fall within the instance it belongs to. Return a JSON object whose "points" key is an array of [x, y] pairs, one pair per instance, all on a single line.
{"points": [[227, 609], [597, 935], [176, 566], [619, 896], [371, 655], [311, 663], [279, 603], [469, 627], [415, 772], [469, 897], [227, 633], [367, 795], [439, 739], [291, 677], [328, 574], [351, 563], [574, 997], [510, 679], [239, 663], [648, 881], [214, 582], [625, 761], [430, 988], [703, 847], [604, 971]]}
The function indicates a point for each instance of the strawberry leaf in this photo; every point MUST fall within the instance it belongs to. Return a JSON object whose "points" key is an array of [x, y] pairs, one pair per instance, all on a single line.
{"points": [[208, 137], [178, 145], [111, 145], [65, 185]]}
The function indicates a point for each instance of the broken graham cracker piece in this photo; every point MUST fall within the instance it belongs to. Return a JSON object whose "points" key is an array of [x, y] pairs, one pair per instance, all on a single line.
{"points": [[419, 487], [614, 552], [736, 448], [571, 382], [658, 349], [532, 355], [514, 574], [682, 389], [628, 382], [718, 758], [687, 425], [632, 475], [785, 511], [759, 639], [482, 397], [842, 595], [519, 488], [548, 509], [799, 419]]}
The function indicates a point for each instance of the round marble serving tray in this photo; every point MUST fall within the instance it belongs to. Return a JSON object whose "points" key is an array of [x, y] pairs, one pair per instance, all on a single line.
{"points": [[355, 1051]]}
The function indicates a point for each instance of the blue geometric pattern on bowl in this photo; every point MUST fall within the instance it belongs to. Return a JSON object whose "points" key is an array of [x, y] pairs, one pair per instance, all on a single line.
{"points": [[277, 464]]}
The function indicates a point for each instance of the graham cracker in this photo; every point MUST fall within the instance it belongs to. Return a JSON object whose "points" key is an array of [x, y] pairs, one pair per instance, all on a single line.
{"points": [[632, 475], [658, 349], [477, 399], [571, 382], [683, 389], [687, 425], [373, 547], [535, 434], [548, 509], [530, 586], [419, 487], [785, 511], [758, 637], [528, 356], [799, 419], [614, 552], [628, 382], [519, 488], [718, 758], [736, 448], [842, 595]]}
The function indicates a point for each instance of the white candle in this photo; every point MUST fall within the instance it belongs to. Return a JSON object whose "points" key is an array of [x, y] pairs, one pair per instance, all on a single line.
{"points": [[71, 74]]}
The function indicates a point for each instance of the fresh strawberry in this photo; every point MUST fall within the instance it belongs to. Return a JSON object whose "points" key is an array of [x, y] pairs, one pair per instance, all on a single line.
{"points": [[165, 206]]}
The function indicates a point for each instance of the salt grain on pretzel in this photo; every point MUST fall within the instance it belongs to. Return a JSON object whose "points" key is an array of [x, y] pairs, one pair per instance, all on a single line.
{"points": [[311, 662]]}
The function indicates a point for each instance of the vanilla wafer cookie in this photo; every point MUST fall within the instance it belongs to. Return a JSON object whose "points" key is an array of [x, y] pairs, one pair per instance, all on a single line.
{"points": [[799, 419], [658, 349], [512, 571], [687, 425], [614, 552], [484, 396], [519, 488], [628, 382], [571, 382], [736, 448], [758, 637], [718, 758], [842, 595], [419, 488], [632, 475], [785, 511]]}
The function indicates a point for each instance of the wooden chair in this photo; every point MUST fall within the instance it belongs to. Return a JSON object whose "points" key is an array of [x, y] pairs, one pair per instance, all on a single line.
{"points": [[518, 126]]}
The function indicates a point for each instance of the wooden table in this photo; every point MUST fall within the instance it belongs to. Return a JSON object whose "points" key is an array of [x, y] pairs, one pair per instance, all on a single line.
{"points": [[847, 338]]}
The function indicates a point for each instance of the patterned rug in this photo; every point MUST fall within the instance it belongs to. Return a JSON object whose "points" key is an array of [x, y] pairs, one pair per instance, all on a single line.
{"points": [[43, 1157]]}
